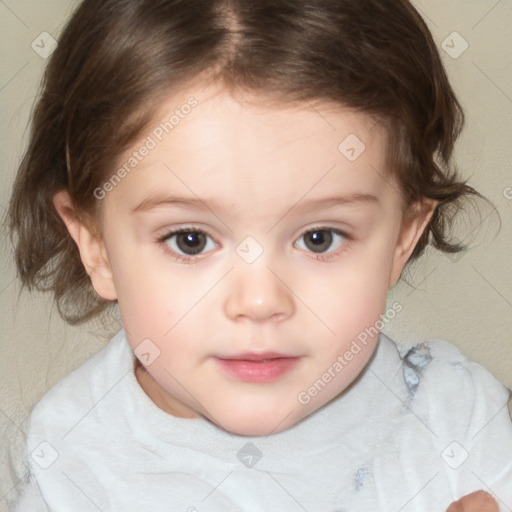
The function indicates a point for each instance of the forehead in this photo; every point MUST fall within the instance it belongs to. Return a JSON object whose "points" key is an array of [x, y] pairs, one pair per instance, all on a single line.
{"points": [[205, 142]]}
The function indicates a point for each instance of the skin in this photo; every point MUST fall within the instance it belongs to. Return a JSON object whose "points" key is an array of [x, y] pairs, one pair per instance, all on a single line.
{"points": [[256, 167], [261, 166], [478, 501]]}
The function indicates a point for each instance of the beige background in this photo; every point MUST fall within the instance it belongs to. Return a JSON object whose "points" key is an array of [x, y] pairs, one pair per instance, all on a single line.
{"points": [[467, 300]]}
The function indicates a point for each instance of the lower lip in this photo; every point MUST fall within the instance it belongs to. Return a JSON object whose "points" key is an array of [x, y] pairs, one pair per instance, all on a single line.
{"points": [[254, 371]]}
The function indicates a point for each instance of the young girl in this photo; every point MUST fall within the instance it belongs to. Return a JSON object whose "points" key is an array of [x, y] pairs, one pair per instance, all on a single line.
{"points": [[246, 181]]}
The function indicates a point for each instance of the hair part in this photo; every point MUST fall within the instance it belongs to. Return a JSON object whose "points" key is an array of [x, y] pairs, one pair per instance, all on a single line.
{"points": [[118, 59]]}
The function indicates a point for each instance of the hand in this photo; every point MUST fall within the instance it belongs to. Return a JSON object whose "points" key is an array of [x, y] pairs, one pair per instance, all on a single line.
{"points": [[478, 501]]}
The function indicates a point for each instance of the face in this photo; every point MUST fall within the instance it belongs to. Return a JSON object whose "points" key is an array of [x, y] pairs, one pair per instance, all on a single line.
{"points": [[248, 250]]}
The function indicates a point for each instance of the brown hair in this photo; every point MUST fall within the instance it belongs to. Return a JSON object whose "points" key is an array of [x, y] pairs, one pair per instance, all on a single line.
{"points": [[117, 58]]}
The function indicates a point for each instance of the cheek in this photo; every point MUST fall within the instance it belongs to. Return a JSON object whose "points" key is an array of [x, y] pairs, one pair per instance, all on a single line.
{"points": [[355, 294], [144, 292]]}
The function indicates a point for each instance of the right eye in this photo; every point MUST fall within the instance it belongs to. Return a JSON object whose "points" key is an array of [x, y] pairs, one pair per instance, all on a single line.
{"points": [[188, 242]]}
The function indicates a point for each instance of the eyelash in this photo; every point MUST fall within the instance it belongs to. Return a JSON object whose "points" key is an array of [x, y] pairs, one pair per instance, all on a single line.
{"points": [[180, 258]]}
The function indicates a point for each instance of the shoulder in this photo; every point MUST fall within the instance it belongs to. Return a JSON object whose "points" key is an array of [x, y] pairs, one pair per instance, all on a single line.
{"points": [[461, 396], [451, 372], [66, 423], [64, 404]]}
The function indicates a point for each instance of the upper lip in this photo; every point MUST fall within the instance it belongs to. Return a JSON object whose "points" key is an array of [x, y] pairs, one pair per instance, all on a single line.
{"points": [[256, 357]]}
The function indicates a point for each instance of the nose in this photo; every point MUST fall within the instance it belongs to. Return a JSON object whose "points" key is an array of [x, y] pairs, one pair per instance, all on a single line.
{"points": [[258, 294]]}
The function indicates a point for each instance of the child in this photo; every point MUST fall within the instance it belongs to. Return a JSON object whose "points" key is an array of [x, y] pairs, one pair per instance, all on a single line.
{"points": [[246, 181]]}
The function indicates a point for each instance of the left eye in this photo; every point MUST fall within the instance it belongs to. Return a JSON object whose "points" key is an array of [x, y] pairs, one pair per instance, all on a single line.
{"points": [[320, 240]]}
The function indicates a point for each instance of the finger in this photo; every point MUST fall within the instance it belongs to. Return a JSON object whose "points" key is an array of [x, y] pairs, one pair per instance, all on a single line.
{"points": [[455, 507], [479, 501]]}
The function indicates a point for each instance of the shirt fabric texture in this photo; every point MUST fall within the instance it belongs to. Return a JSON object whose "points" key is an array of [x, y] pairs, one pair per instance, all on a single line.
{"points": [[418, 429]]}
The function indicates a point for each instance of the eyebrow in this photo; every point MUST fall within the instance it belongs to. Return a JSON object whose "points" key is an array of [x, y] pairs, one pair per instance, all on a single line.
{"points": [[195, 203]]}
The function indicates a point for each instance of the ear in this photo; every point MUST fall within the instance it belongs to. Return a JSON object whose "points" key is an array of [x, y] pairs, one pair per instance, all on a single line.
{"points": [[413, 225], [92, 249]]}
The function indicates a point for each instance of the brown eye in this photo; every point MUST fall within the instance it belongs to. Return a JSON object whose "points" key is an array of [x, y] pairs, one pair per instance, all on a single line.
{"points": [[318, 241], [321, 240], [189, 242]]}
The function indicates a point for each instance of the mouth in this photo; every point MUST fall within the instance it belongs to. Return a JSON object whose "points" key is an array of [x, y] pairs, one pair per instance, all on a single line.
{"points": [[267, 367]]}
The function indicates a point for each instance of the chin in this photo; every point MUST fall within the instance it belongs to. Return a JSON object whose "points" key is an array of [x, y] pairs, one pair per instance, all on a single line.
{"points": [[256, 422]]}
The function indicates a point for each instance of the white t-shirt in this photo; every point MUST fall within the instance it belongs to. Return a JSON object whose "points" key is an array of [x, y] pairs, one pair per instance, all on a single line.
{"points": [[413, 433]]}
